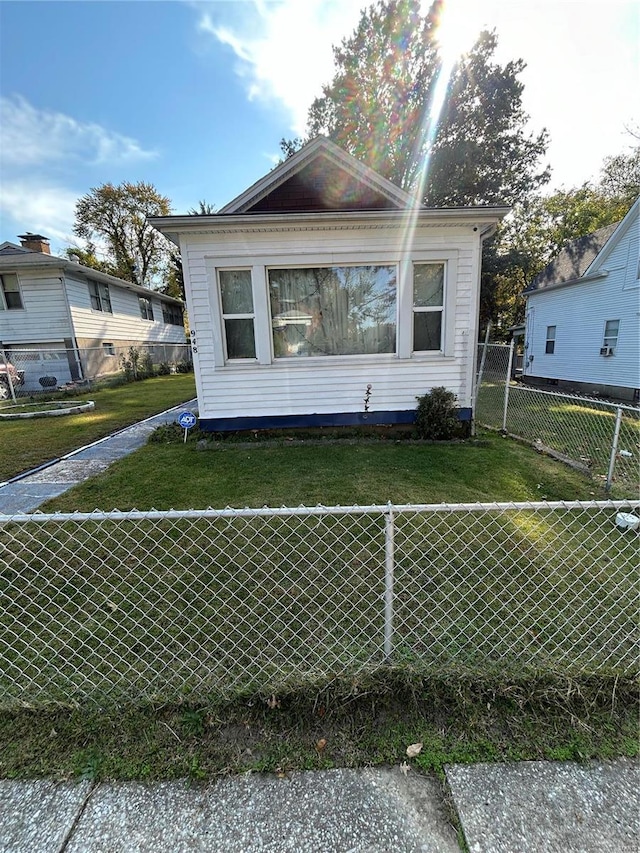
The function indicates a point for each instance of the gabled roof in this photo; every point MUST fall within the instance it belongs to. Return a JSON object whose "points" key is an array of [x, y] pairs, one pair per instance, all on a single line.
{"points": [[320, 176], [583, 258], [13, 257]]}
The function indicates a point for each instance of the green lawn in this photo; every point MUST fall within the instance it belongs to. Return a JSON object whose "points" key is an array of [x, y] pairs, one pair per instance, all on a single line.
{"points": [[581, 430], [28, 443], [164, 476]]}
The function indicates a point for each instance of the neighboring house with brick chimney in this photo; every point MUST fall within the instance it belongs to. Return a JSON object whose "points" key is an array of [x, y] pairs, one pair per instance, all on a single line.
{"points": [[582, 326], [62, 319], [321, 281]]}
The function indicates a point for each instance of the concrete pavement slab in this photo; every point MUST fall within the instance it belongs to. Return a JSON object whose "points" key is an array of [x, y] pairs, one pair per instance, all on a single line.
{"points": [[69, 471], [24, 497], [36, 817], [548, 807], [334, 810]]}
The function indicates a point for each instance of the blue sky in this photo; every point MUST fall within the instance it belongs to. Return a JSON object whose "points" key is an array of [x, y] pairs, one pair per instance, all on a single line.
{"points": [[195, 96]]}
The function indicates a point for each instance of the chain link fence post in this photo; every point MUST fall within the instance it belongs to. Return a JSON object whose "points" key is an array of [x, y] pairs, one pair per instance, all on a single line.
{"points": [[507, 383], [614, 448], [388, 580]]}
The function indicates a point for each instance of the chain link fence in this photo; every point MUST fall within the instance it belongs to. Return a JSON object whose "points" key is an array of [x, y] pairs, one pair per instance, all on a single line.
{"points": [[602, 437], [38, 371], [166, 606]]}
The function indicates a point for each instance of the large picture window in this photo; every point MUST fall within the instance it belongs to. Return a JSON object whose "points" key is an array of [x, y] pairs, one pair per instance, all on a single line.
{"points": [[341, 310], [428, 306], [237, 313]]}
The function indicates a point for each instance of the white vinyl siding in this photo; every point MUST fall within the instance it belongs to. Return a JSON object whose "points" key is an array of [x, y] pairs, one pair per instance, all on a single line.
{"points": [[580, 312], [44, 315], [124, 323], [318, 384]]}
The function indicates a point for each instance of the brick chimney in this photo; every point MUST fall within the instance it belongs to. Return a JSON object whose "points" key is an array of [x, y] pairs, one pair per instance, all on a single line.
{"points": [[35, 242]]}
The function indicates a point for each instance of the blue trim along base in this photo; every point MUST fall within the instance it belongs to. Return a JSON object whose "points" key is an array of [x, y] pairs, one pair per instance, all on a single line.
{"points": [[332, 419]]}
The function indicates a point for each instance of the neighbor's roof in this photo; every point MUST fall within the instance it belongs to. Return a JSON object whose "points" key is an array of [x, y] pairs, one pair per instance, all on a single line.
{"points": [[14, 257], [574, 260]]}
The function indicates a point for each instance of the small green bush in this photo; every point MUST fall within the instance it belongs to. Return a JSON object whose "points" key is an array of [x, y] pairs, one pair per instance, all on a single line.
{"points": [[436, 415], [164, 368], [184, 367]]}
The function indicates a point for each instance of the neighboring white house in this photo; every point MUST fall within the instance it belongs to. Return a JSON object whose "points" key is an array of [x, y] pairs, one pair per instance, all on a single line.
{"points": [[73, 319], [324, 278], [582, 326]]}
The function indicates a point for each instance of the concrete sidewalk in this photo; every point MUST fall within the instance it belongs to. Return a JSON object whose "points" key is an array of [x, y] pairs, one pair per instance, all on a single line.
{"points": [[531, 807], [26, 494]]}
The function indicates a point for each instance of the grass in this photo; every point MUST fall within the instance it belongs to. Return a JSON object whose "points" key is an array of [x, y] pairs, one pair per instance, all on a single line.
{"points": [[33, 442], [583, 431], [177, 476], [363, 723]]}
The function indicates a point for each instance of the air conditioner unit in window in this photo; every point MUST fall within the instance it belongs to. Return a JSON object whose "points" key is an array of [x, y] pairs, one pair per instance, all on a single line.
{"points": [[606, 350]]}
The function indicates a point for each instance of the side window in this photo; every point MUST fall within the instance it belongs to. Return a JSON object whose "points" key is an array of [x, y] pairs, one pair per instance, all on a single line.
{"points": [[611, 333], [550, 346], [236, 299], [146, 308], [10, 297], [428, 306], [100, 299]]}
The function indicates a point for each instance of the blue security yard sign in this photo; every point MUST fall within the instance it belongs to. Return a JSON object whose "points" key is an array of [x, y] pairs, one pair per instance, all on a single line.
{"points": [[187, 420]]}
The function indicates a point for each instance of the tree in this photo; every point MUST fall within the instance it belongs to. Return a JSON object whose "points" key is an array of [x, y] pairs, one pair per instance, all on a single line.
{"points": [[538, 229], [204, 208], [117, 216], [380, 106], [88, 257]]}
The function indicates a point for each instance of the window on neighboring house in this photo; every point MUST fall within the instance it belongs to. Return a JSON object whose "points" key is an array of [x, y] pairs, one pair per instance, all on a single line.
{"points": [[10, 298], [611, 332], [146, 308], [99, 293], [551, 340], [428, 306], [341, 310], [237, 313], [109, 349], [172, 314]]}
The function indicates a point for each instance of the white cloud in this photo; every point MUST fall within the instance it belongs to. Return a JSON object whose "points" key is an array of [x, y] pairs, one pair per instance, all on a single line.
{"points": [[47, 209], [32, 137], [283, 48]]}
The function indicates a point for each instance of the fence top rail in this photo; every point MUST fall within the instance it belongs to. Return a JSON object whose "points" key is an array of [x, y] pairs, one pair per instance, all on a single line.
{"points": [[528, 389], [267, 512]]}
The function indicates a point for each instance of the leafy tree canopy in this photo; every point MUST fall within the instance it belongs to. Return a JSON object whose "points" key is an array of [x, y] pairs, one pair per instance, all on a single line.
{"points": [[381, 106], [117, 217]]}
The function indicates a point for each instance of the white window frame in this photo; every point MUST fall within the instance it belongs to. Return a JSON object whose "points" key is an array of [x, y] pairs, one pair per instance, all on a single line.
{"points": [[3, 298], [261, 316], [244, 316], [101, 294], [108, 349], [146, 308], [607, 339], [431, 309], [550, 340]]}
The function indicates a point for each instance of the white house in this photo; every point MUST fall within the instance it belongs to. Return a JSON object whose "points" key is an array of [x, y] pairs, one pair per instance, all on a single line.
{"points": [[324, 278], [73, 319], [582, 326]]}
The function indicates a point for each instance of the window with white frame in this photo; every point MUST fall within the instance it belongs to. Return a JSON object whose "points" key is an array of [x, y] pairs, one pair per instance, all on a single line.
{"points": [[100, 299], [10, 297], [611, 332], [550, 345], [428, 306], [146, 308], [238, 318], [333, 310]]}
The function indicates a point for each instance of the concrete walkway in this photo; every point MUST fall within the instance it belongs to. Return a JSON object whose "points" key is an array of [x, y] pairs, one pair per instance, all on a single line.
{"points": [[532, 807], [29, 492]]}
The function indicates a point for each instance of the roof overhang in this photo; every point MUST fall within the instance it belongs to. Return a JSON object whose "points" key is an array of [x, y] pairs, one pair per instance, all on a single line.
{"points": [[482, 219], [558, 284]]}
